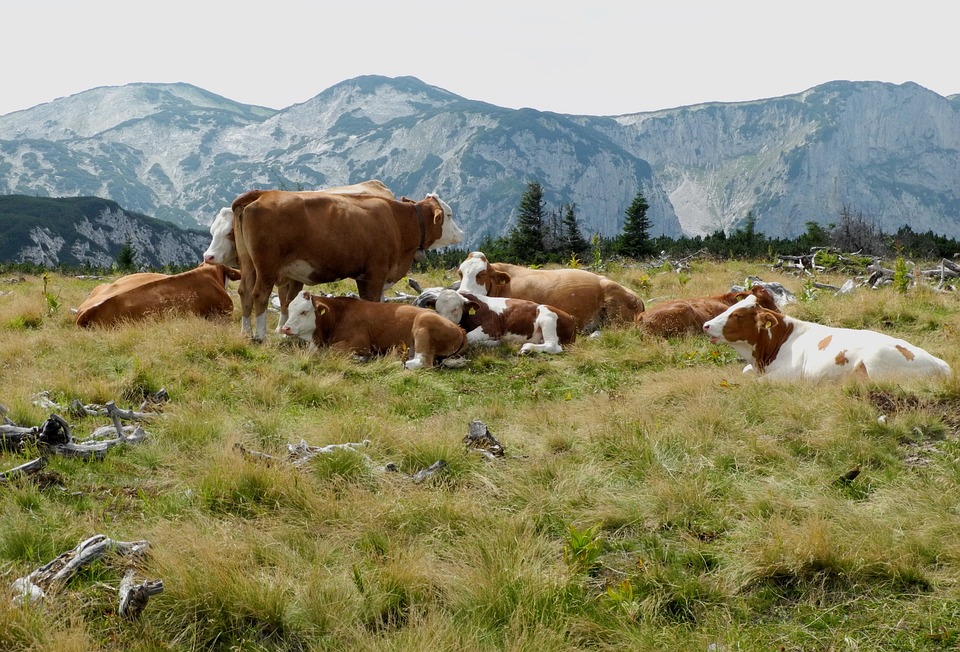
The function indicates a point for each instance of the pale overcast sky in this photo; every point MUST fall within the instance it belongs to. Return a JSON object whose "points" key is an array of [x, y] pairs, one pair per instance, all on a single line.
{"points": [[595, 57]]}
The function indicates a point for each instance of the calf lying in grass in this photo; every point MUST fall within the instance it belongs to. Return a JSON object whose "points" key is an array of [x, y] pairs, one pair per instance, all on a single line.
{"points": [[367, 328]]}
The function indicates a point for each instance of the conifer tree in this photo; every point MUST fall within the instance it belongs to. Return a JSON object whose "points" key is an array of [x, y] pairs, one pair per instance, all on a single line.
{"points": [[573, 240], [126, 257], [526, 238], [634, 241]]}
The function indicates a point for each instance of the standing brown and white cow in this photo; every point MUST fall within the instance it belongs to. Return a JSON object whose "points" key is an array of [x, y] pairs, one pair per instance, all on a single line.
{"points": [[368, 328], [592, 299], [223, 245], [320, 237], [200, 291]]}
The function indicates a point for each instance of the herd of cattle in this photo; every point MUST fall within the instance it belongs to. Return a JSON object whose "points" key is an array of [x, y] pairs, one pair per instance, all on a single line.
{"points": [[287, 240]]}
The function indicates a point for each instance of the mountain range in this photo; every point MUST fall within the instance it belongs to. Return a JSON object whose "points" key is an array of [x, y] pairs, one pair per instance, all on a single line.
{"points": [[179, 153]]}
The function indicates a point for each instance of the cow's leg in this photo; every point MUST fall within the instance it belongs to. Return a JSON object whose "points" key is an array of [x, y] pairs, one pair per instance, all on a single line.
{"points": [[261, 297], [423, 348], [371, 286], [547, 326], [248, 278], [286, 291]]}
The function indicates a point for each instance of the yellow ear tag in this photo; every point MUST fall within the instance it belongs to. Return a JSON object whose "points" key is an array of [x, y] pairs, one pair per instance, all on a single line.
{"points": [[323, 311], [768, 326], [472, 311]]}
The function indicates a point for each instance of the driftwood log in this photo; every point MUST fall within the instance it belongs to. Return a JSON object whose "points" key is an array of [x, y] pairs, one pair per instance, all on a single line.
{"points": [[26, 468], [54, 436], [54, 574], [134, 597], [299, 454], [480, 439]]}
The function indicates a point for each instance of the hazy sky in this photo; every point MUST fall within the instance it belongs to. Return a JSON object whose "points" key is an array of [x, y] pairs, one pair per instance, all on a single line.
{"points": [[595, 57]]}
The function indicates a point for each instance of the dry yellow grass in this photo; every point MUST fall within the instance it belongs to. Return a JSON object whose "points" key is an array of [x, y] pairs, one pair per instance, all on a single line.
{"points": [[720, 518]]}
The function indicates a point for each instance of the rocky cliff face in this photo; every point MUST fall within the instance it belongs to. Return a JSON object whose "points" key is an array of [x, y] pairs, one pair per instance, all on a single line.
{"points": [[88, 231], [888, 151], [179, 153]]}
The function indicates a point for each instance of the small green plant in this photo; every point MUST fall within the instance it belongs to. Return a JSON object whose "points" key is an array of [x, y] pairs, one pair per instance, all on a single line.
{"points": [[901, 277], [683, 278], [809, 291], [644, 284], [574, 262], [53, 302], [583, 549], [622, 597], [597, 253]]}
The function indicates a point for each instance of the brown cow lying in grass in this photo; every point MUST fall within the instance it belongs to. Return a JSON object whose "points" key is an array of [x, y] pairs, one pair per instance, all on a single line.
{"points": [[591, 299], [367, 328], [687, 316], [201, 291]]}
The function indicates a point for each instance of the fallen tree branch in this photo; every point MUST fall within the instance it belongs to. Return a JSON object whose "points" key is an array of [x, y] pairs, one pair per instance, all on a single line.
{"points": [[27, 468], [480, 439], [57, 572], [134, 597], [423, 474], [301, 453]]}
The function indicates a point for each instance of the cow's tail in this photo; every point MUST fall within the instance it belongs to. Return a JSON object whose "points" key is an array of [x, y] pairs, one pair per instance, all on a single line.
{"points": [[238, 205], [245, 200]]}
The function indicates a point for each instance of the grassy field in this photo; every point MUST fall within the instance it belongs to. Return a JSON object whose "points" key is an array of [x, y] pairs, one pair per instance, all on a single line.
{"points": [[651, 497]]}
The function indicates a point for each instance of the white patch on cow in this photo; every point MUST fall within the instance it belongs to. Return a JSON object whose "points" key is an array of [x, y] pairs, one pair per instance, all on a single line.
{"points": [[222, 249], [416, 362], [451, 233], [298, 270], [261, 334], [547, 328], [450, 305]]}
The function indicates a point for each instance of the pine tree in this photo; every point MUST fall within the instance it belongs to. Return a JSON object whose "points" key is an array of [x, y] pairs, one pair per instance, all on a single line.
{"points": [[634, 241], [573, 241], [126, 257], [526, 238]]}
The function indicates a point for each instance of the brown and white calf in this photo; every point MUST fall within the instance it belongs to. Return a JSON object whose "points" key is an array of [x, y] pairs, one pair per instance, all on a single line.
{"points": [[200, 291], [591, 299], [682, 316], [367, 328], [491, 320], [782, 347]]}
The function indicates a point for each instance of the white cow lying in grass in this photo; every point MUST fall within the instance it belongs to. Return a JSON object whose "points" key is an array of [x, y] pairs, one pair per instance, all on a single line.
{"points": [[782, 347]]}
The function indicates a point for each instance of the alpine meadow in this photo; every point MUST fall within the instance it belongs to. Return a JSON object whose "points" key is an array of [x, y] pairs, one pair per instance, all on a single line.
{"points": [[649, 495]]}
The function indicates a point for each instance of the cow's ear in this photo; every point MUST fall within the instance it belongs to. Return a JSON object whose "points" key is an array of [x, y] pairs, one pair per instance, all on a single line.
{"points": [[498, 279], [767, 319], [471, 307], [318, 304], [232, 274], [438, 215], [741, 296]]}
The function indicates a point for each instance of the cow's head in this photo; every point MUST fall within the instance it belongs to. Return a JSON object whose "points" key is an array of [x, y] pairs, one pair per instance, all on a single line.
{"points": [[453, 305], [223, 245], [477, 277], [304, 316], [741, 322], [450, 233]]}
